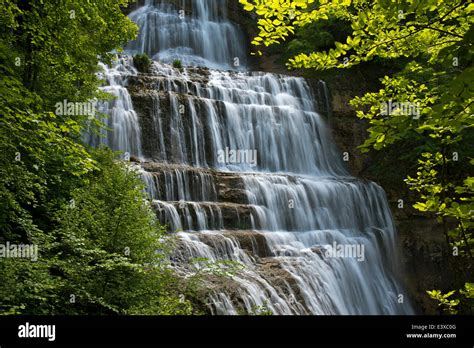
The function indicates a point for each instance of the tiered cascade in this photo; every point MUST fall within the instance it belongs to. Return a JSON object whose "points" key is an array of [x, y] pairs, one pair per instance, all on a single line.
{"points": [[275, 215]]}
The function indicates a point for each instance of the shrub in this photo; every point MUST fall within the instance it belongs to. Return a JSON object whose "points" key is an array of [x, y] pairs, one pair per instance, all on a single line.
{"points": [[177, 64], [142, 62]]}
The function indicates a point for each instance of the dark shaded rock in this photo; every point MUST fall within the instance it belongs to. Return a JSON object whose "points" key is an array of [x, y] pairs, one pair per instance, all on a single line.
{"points": [[232, 195], [253, 242], [134, 159], [428, 263]]}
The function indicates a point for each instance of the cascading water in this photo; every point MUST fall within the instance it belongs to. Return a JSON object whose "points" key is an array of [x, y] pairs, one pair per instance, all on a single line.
{"points": [[194, 32], [241, 166], [122, 118]]}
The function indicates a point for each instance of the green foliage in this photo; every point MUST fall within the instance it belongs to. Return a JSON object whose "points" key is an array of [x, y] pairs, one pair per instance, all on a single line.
{"points": [[445, 303], [142, 62], [454, 306], [54, 46], [113, 251], [49, 53], [257, 310], [262, 310], [107, 255], [101, 249], [468, 290], [316, 36], [177, 64], [220, 268], [40, 161], [165, 305], [381, 28]]}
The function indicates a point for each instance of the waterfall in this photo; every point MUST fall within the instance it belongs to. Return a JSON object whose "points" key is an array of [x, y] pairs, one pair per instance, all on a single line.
{"points": [[241, 166], [121, 116], [194, 32]]}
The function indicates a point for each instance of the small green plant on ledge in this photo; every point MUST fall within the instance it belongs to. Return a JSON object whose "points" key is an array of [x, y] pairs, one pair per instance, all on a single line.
{"points": [[177, 64], [261, 310], [142, 62]]}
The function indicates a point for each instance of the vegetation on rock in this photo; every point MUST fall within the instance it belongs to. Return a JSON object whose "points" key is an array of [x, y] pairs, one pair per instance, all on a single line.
{"points": [[429, 102], [177, 64], [142, 62]]}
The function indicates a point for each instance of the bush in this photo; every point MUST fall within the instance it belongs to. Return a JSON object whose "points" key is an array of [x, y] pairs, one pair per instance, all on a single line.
{"points": [[142, 62], [106, 255], [177, 64], [113, 250]]}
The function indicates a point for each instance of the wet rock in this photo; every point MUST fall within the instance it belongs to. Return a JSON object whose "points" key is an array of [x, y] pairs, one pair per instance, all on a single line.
{"points": [[251, 241]]}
